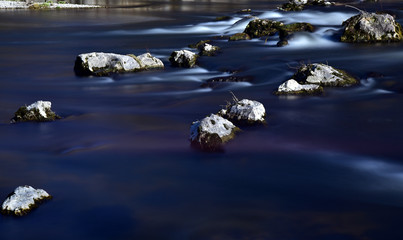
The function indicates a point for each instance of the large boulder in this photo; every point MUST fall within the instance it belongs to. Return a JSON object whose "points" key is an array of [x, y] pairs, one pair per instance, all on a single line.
{"points": [[103, 64], [324, 75], [262, 27], [39, 111], [292, 87], [244, 111], [23, 200], [211, 132], [183, 58], [371, 27]]}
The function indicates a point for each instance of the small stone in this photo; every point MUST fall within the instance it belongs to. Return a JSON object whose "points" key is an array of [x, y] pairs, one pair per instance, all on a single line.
{"points": [[324, 75], [371, 27], [208, 50], [244, 111], [211, 132], [183, 58], [198, 44], [292, 87], [147, 62], [39, 111], [23, 200], [239, 36]]}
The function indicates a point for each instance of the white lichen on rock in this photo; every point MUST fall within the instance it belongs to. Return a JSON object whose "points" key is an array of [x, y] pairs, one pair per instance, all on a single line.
{"points": [[371, 27], [23, 200], [293, 87], [148, 61], [324, 75], [183, 58], [207, 49], [244, 111], [39, 111], [103, 64], [211, 132]]}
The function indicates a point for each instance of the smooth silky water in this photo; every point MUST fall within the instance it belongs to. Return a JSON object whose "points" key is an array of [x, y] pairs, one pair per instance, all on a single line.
{"points": [[120, 166]]}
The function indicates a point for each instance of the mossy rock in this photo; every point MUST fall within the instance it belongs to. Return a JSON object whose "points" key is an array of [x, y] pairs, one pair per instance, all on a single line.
{"points": [[370, 28], [33, 115], [287, 30], [262, 27], [239, 36], [291, 7], [198, 44]]}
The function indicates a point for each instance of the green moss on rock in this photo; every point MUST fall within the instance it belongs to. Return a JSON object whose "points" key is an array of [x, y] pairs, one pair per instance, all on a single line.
{"points": [[239, 36], [262, 27]]}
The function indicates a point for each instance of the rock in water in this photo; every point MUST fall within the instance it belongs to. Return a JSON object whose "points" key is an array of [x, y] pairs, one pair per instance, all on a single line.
{"points": [[39, 111], [239, 36], [244, 111], [262, 27], [23, 200], [183, 58], [371, 27], [147, 61], [294, 88], [324, 75], [102, 64], [208, 50], [298, 5], [211, 132]]}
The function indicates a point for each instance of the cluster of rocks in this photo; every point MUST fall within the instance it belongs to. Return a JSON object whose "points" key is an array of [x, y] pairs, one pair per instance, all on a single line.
{"points": [[298, 5], [213, 131], [311, 78], [23, 200]]}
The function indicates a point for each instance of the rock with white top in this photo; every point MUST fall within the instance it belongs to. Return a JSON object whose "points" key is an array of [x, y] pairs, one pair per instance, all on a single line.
{"points": [[292, 87], [244, 111], [207, 49], [298, 5], [324, 75], [183, 58], [211, 132], [23, 200], [103, 64], [39, 111], [371, 27], [147, 61]]}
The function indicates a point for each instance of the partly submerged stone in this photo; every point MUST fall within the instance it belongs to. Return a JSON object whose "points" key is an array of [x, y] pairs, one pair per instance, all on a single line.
{"points": [[244, 111], [211, 132], [223, 18], [183, 58], [292, 87], [262, 27], [102, 64], [286, 31], [39, 111], [198, 44], [208, 50], [23, 200], [371, 27], [239, 36], [147, 61], [324, 75], [212, 82], [298, 5]]}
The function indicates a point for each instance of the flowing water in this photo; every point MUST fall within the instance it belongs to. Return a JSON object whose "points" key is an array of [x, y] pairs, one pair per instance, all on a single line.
{"points": [[120, 166]]}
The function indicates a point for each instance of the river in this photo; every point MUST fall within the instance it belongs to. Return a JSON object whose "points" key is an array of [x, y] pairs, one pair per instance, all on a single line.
{"points": [[120, 166]]}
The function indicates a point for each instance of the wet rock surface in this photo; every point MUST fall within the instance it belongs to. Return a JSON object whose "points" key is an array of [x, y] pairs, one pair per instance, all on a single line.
{"points": [[292, 87], [371, 27], [183, 58], [212, 82], [298, 5], [39, 111], [147, 62], [211, 132], [262, 27], [207, 49], [239, 36], [23, 200]]}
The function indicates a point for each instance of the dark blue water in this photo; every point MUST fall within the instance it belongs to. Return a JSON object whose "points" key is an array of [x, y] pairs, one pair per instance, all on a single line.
{"points": [[120, 166]]}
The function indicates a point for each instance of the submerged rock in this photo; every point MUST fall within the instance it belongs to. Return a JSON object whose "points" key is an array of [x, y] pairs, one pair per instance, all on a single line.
{"points": [[208, 50], [223, 18], [371, 27], [227, 79], [239, 36], [23, 200], [286, 31], [183, 58], [292, 87], [39, 111], [102, 64], [211, 132], [262, 27], [324, 75], [244, 111]]}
